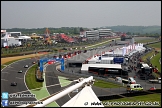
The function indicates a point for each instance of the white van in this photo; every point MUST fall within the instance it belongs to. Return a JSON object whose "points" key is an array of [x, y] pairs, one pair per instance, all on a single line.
{"points": [[134, 87], [131, 80]]}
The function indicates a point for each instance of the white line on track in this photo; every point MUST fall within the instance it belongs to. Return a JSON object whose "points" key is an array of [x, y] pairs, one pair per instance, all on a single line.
{"points": [[19, 78], [69, 95], [4, 80]]}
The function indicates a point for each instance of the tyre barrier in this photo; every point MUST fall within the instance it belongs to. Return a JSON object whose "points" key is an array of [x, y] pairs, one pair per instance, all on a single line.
{"points": [[40, 79], [118, 96], [37, 77]]}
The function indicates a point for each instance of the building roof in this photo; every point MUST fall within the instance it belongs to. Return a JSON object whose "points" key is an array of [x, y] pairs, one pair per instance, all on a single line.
{"points": [[84, 99], [86, 66]]}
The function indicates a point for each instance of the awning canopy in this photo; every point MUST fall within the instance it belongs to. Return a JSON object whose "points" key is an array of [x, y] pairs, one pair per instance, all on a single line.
{"points": [[85, 98]]}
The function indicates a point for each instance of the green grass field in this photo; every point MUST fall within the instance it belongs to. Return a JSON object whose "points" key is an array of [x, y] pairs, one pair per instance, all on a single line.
{"points": [[63, 81], [155, 61], [145, 41], [2, 66], [156, 45], [30, 79], [148, 55], [145, 98], [104, 84]]}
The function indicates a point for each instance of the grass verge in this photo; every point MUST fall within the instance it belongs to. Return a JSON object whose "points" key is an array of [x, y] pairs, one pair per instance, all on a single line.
{"points": [[148, 55], [2, 66], [102, 43], [155, 61], [30, 79], [63, 81], [146, 40], [145, 98], [156, 45], [7, 63], [104, 84]]}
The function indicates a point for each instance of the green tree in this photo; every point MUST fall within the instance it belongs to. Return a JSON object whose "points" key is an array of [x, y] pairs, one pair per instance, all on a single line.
{"points": [[128, 33]]}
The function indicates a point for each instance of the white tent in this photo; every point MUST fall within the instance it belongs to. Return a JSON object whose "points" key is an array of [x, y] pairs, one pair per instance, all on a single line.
{"points": [[141, 49], [85, 98]]}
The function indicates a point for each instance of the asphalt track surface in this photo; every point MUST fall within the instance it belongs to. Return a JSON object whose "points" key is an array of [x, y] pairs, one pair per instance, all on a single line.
{"points": [[10, 74], [98, 91]]}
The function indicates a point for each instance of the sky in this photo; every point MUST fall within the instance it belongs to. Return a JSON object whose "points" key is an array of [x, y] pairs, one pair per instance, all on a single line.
{"points": [[88, 14]]}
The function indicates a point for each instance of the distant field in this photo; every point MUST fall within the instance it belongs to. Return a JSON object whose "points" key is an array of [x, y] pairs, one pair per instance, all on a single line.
{"points": [[156, 45], [155, 61], [146, 40], [148, 55]]}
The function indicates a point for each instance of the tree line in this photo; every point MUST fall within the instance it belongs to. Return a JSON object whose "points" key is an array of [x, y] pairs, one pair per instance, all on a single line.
{"points": [[130, 30]]}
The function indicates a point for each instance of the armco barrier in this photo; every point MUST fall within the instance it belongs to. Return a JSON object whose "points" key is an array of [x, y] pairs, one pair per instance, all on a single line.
{"points": [[21, 54], [101, 98]]}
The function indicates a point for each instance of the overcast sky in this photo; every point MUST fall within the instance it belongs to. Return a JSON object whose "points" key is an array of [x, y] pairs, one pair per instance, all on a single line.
{"points": [[90, 14]]}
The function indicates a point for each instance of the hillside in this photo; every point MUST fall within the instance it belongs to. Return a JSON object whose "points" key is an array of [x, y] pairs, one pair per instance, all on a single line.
{"points": [[136, 29]]}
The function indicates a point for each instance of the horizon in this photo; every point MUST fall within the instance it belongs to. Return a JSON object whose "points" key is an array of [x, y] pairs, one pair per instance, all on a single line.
{"points": [[82, 27]]}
